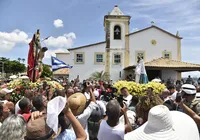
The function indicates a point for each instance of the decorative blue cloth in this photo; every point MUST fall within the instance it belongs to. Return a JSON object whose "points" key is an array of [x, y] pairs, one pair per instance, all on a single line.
{"points": [[66, 135], [143, 79]]}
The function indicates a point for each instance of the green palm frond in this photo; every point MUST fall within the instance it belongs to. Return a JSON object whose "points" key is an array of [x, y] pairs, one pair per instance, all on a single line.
{"points": [[100, 76]]}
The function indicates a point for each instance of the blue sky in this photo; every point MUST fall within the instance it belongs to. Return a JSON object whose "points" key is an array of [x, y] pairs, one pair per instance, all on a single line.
{"points": [[73, 23]]}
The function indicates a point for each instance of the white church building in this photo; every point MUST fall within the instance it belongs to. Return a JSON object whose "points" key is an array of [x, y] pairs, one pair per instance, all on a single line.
{"points": [[117, 55]]}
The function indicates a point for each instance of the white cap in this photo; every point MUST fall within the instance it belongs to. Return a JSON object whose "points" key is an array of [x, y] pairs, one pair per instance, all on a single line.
{"points": [[7, 90], [189, 89]]}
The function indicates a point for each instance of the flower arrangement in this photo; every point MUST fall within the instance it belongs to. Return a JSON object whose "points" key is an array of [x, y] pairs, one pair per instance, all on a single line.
{"points": [[139, 89], [21, 86]]}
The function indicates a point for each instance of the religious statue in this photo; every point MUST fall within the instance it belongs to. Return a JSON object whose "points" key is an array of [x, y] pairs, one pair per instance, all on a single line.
{"points": [[36, 43], [40, 58], [35, 56], [138, 70]]}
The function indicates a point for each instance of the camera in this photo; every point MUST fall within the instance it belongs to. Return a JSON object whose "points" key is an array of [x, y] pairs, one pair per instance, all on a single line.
{"points": [[178, 97], [111, 94]]}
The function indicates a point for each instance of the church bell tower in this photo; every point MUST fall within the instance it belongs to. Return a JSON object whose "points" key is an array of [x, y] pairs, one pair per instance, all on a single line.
{"points": [[116, 26]]}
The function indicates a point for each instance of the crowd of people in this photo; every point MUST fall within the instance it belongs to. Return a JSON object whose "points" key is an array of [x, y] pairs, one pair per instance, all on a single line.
{"points": [[92, 110]]}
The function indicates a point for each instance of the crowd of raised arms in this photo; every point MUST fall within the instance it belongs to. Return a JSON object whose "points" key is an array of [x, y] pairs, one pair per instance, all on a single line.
{"points": [[91, 110]]}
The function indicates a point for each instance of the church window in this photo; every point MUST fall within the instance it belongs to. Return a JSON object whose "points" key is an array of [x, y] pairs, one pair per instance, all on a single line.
{"points": [[99, 57], [79, 58], [140, 54], [117, 32], [167, 55], [117, 58]]}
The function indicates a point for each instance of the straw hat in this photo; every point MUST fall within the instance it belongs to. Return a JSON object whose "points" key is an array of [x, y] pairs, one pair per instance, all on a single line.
{"points": [[189, 89], [163, 124], [38, 129], [77, 103]]}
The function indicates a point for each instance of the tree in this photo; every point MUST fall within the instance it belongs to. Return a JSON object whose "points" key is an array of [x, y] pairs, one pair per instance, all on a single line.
{"points": [[17, 67], [46, 71], [14, 67], [100, 76], [23, 60], [19, 59]]}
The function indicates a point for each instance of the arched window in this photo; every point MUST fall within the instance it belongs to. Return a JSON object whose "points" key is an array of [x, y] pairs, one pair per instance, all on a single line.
{"points": [[117, 32]]}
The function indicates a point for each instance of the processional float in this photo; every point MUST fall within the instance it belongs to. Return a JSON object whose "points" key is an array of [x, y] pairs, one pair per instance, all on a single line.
{"points": [[35, 56]]}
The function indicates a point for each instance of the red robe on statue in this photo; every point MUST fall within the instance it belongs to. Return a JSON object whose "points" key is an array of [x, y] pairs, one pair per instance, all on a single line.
{"points": [[31, 60]]}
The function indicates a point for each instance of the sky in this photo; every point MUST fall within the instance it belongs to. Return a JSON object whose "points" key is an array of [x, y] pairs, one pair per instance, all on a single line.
{"points": [[73, 23]]}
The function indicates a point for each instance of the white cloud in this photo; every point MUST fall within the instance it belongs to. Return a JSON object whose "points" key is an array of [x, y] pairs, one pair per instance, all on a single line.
{"points": [[176, 14], [189, 28], [58, 23], [65, 41], [9, 40], [135, 29], [194, 38]]}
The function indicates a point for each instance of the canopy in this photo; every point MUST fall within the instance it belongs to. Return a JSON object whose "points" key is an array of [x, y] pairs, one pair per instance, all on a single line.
{"points": [[156, 80], [24, 77], [164, 63], [13, 77]]}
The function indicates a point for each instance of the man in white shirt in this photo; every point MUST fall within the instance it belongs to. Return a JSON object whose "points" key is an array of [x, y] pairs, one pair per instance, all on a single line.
{"points": [[84, 113], [110, 128], [173, 92], [126, 95], [83, 118]]}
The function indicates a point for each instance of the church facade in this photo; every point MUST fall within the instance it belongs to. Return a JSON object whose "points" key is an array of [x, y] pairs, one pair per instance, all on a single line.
{"points": [[117, 55]]}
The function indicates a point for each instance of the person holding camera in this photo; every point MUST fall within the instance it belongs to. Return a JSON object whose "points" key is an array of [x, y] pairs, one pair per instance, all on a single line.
{"points": [[110, 128], [126, 95], [189, 93], [82, 107]]}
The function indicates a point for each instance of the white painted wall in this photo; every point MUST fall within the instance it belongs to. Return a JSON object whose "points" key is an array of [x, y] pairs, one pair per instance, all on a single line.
{"points": [[142, 41], [119, 45], [115, 69], [63, 57], [166, 74], [86, 69]]}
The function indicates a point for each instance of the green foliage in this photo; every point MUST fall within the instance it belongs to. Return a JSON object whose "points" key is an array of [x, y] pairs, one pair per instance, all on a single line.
{"points": [[23, 60], [11, 66], [19, 59], [100, 76], [46, 71]]}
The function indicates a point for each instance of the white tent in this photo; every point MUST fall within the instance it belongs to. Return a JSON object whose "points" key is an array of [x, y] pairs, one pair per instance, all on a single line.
{"points": [[156, 80], [24, 77], [13, 77]]}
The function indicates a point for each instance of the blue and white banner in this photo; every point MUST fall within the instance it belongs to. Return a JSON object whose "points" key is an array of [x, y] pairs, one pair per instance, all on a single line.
{"points": [[57, 64]]}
